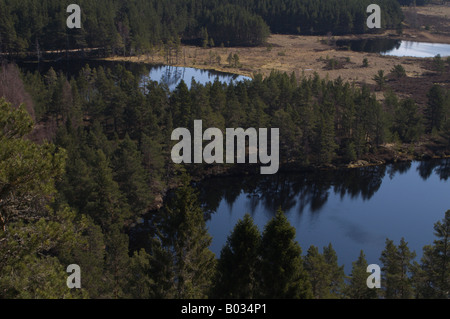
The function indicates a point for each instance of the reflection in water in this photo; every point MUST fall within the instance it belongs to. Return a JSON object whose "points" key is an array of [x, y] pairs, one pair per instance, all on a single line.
{"points": [[441, 168], [396, 47], [370, 45], [400, 168], [309, 189], [172, 76]]}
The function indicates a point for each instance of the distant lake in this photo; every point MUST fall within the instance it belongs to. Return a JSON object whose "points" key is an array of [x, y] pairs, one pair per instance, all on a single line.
{"points": [[354, 209], [396, 47], [172, 76]]}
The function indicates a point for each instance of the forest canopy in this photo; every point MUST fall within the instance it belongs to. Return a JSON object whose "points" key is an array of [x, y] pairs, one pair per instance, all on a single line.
{"points": [[136, 26]]}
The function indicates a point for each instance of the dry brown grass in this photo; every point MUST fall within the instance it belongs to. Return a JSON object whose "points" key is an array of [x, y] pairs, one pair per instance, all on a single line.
{"points": [[285, 53], [429, 23]]}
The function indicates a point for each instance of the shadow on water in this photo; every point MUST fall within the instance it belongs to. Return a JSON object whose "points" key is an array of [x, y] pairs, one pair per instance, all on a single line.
{"points": [[309, 190], [438, 167], [370, 45]]}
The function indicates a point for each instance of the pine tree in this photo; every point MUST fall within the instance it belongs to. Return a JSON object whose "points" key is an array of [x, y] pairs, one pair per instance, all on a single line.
{"points": [[91, 259], [399, 71], [318, 272], [131, 176], [181, 105], [380, 79], [406, 258], [396, 267], [391, 269], [230, 59], [186, 238], [282, 272], [162, 274], [237, 268], [117, 263], [105, 203], [432, 276], [29, 228], [27, 171], [153, 161], [325, 138], [337, 283], [357, 288], [408, 121], [139, 285], [436, 112]]}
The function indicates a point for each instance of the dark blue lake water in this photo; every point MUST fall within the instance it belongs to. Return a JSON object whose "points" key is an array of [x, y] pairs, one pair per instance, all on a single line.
{"points": [[353, 209]]}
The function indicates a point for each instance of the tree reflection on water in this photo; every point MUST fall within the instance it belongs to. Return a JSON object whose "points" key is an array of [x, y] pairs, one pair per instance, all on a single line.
{"points": [[310, 188]]}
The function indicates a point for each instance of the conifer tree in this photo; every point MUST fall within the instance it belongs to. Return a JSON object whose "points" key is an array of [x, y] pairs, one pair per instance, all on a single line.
{"points": [[131, 176], [436, 112], [117, 263], [187, 240], [91, 259], [357, 288], [29, 228], [27, 170], [140, 283], [337, 283], [325, 136], [396, 267], [237, 268], [182, 107], [408, 121], [282, 272], [432, 277], [380, 79], [106, 204], [318, 272]]}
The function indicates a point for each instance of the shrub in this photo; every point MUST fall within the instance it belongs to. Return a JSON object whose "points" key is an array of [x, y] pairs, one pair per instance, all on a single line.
{"points": [[365, 63], [398, 71]]}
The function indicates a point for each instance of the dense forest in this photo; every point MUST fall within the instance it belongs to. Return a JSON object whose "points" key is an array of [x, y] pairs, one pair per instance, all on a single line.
{"points": [[138, 26], [74, 184]]}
